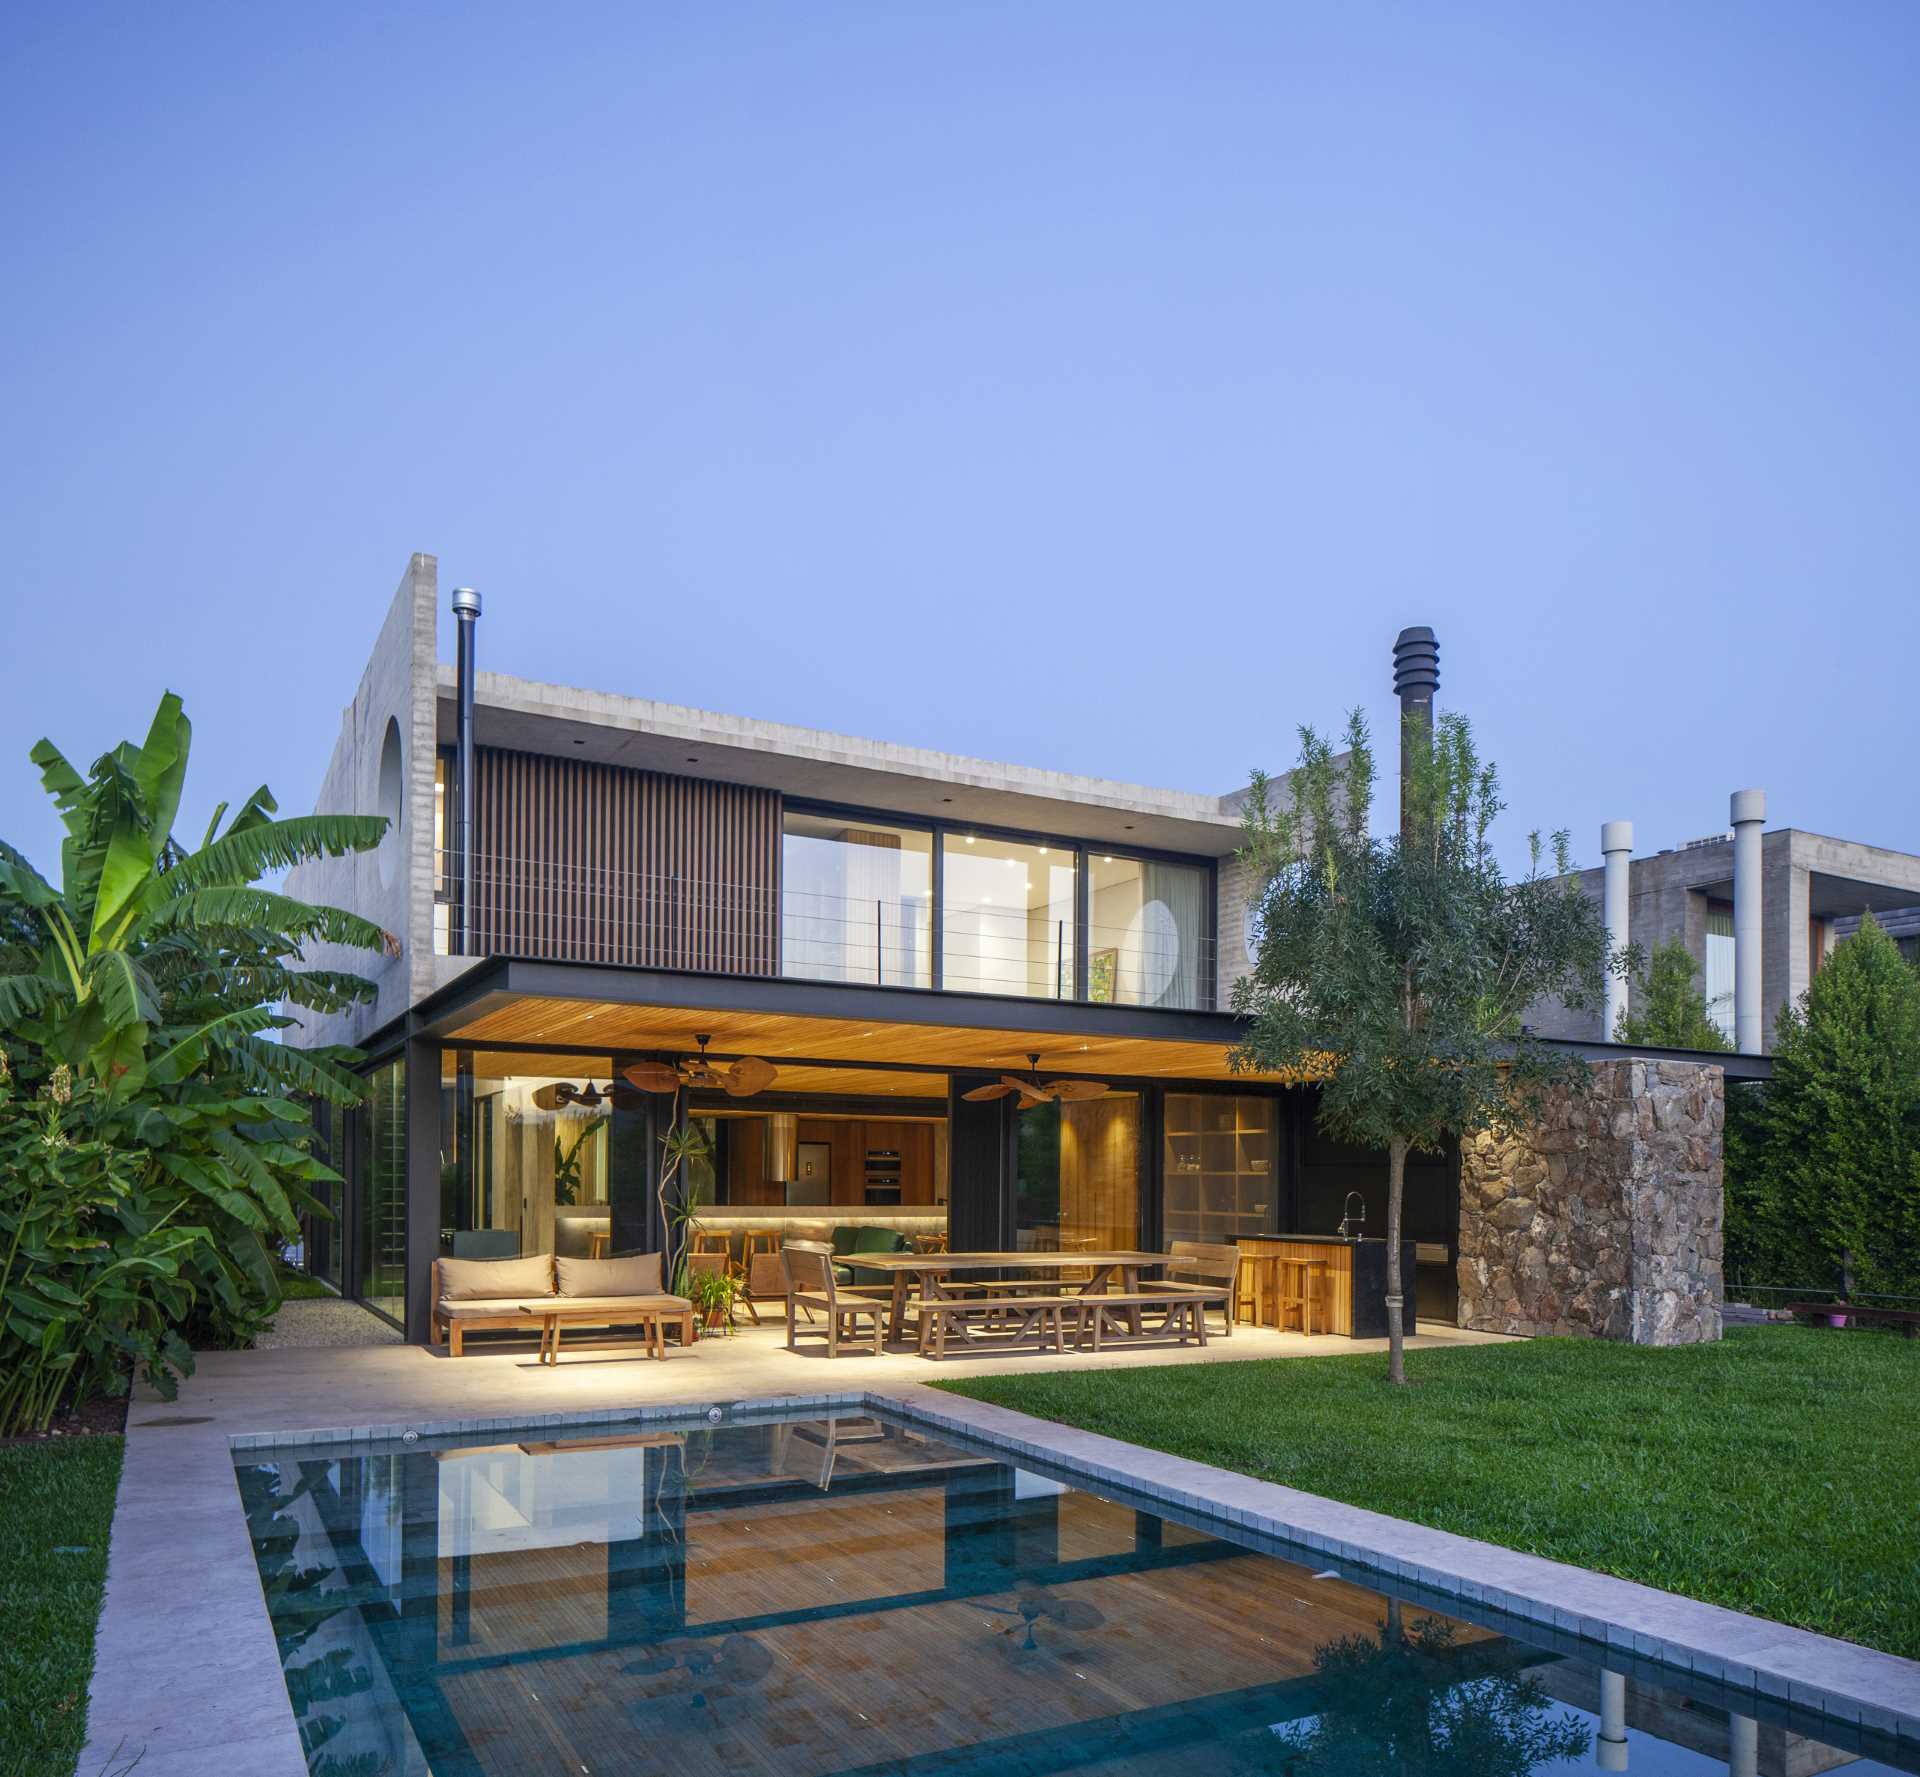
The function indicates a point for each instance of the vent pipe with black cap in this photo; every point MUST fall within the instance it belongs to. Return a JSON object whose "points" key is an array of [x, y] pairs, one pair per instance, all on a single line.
{"points": [[1416, 677], [466, 607]]}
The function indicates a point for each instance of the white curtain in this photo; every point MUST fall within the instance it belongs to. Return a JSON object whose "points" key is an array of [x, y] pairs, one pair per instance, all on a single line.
{"points": [[1170, 938]]}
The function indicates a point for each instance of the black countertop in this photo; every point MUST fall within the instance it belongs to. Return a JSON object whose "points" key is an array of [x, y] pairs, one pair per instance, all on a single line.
{"points": [[1320, 1239]]}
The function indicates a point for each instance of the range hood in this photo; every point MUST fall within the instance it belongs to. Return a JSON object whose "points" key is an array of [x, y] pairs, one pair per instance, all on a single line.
{"points": [[783, 1147]]}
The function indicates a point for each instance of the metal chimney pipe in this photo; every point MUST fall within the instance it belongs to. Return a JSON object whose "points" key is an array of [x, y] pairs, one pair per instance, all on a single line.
{"points": [[1616, 848], [1416, 677], [1747, 810], [466, 607]]}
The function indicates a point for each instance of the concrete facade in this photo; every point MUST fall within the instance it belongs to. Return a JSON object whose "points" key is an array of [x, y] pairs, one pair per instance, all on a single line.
{"points": [[1606, 1219], [1813, 891], [392, 713], [406, 685]]}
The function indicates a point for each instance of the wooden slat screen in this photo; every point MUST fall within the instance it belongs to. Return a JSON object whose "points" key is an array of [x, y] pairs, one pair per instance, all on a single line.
{"points": [[584, 862]]}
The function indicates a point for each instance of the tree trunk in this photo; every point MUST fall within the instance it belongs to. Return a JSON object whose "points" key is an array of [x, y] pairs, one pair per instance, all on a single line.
{"points": [[1396, 1317]]}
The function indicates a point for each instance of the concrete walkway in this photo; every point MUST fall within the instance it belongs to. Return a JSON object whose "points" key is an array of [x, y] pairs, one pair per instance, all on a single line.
{"points": [[181, 1573]]}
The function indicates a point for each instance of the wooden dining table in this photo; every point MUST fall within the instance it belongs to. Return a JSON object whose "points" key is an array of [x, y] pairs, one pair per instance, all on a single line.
{"points": [[935, 1270]]}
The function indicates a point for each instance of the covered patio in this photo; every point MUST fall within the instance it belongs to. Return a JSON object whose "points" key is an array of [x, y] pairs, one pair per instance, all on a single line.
{"points": [[525, 1111]]}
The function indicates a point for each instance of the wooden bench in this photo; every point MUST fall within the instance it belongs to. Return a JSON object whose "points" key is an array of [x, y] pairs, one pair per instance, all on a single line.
{"points": [[1906, 1319], [1098, 1315]]}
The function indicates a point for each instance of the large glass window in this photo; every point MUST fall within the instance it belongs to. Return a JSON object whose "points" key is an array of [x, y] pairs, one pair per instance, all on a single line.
{"points": [[383, 1190], [1719, 969], [523, 1154], [1079, 1175], [856, 901], [1007, 923], [1147, 933], [321, 1234]]}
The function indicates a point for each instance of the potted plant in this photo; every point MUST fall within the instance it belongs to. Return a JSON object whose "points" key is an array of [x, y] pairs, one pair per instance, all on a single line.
{"points": [[712, 1293]]}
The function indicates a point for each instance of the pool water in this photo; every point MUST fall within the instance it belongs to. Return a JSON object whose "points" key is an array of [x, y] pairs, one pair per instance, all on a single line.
{"points": [[843, 1593]]}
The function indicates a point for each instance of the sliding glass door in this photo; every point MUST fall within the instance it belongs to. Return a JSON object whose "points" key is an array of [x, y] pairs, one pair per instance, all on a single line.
{"points": [[382, 1169], [856, 901], [1007, 916], [1147, 933]]}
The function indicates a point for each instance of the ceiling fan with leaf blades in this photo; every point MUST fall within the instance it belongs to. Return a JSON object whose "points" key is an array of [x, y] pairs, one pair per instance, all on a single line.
{"points": [[1036, 1090], [737, 1079], [563, 1092]]}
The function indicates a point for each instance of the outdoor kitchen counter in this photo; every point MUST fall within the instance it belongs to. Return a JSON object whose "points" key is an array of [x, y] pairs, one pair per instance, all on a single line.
{"points": [[1352, 1297]]}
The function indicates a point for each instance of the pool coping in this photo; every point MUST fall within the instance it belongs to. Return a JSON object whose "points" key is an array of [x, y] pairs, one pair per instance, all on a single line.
{"points": [[1743, 1663]]}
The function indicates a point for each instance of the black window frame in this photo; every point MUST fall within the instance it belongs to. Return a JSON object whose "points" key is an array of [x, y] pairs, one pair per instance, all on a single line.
{"points": [[941, 829]]}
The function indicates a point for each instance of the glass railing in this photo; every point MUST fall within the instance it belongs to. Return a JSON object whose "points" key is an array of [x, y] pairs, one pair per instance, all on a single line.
{"points": [[568, 913]]}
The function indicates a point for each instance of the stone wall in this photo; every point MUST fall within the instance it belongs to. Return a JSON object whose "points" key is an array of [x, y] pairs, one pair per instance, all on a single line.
{"points": [[1605, 1220]]}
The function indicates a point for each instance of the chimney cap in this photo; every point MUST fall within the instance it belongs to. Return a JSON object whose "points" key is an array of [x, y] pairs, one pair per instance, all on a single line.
{"points": [[1616, 836], [1416, 663], [466, 602], [1746, 805]]}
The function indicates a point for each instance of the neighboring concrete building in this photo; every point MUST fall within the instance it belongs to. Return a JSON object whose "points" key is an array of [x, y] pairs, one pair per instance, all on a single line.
{"points": [[603, 904], [1759, 925]]}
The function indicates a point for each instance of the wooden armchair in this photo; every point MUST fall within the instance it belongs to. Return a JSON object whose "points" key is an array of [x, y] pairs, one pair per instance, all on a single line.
{"points": [[1201, 1264], [811, 1285]]}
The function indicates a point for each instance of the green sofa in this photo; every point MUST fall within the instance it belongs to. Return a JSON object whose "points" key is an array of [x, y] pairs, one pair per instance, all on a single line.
{"points": [[850, 1241]]}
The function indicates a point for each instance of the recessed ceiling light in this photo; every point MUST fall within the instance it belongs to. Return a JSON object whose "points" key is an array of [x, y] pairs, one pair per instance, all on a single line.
{"points": [[969, 838], [1043, 851]]}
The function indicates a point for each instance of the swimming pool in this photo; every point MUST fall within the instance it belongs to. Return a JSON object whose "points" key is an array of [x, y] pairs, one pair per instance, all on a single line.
{"points": [[846, 1592]]}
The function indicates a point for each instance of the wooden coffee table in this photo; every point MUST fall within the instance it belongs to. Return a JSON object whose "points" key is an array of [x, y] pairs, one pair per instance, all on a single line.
{"points": [[652, 1322]]}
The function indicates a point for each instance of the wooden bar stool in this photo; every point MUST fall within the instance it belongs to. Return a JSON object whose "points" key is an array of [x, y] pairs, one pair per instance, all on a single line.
{"points": [[1301, 1286], [712, 1240], [759, 1242], [1253, 1288]]}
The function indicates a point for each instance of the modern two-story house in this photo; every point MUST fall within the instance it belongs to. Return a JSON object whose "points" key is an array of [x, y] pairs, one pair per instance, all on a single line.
{"points": [[825, 950]]}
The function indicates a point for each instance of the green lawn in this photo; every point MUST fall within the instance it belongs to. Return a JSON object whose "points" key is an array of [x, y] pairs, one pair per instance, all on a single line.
{"points": [[299, 1286], [56, 1507], [1773, 1472]]}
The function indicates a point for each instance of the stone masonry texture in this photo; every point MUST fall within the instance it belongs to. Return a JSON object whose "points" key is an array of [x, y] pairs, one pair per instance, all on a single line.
{"points": [[1605, 1221]]}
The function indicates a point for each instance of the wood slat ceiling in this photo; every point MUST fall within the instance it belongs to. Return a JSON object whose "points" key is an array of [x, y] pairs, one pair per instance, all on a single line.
{"points": [[774, 1035]]}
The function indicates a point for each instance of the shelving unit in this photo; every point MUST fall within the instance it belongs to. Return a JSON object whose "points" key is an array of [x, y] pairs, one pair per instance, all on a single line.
{"points": [[1222, 1166]]}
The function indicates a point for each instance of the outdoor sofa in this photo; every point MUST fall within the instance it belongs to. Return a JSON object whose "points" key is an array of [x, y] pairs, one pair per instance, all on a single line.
{"points": [[470, 1293]]}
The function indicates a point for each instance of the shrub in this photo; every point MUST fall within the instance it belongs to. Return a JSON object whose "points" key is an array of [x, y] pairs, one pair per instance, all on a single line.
{"points": [[1823, 1166], [91, 1266]]}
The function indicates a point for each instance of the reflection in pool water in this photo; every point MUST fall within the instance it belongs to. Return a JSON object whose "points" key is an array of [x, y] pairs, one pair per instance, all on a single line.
{"points": [[847, 1594]]}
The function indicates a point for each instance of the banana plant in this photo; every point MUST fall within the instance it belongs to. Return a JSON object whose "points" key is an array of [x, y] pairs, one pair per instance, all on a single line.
{"points": [[162, 973]]}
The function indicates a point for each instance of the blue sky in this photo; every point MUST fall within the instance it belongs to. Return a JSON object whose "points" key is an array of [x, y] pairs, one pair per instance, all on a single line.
{"points": [[1099, 387]]}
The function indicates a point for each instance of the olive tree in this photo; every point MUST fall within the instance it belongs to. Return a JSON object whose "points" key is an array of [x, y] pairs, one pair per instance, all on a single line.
{"points": [[1395, 971]]}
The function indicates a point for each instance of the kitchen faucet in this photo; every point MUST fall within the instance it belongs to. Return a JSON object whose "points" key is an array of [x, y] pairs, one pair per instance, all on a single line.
{"points": [[1350, 1224]]}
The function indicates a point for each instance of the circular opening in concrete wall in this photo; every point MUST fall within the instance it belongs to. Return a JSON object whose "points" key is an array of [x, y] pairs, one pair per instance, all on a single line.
{"points": [[389, 802]]}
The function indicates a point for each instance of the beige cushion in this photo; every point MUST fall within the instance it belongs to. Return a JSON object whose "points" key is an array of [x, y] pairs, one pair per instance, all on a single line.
{"points": [[528, 1307], [476, 1307], [464, 1280], [636, 1276]]}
